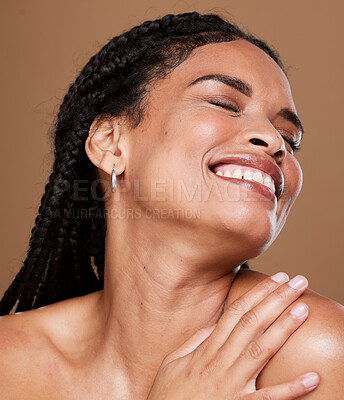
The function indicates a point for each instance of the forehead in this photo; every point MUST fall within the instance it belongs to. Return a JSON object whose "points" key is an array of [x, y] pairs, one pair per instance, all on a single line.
{"points": [[239, 59]]}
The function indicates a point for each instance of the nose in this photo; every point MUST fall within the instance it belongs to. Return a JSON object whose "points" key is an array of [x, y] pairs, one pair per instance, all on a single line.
{"points": [[269, 141]]}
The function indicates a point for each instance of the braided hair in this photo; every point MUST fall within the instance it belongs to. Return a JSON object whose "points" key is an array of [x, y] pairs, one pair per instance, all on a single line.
{"points": [[65, 256]]}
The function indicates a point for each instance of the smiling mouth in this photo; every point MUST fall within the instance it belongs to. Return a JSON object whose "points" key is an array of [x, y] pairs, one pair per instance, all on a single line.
{"points": [[246, 173], [251, 171], [250, 178]]}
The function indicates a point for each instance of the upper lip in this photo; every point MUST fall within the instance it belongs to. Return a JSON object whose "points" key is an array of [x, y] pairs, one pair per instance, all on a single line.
{"points": [[263, 164]]}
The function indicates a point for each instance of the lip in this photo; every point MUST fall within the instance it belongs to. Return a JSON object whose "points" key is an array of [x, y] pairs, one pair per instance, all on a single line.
{"points": [[250, 160]]}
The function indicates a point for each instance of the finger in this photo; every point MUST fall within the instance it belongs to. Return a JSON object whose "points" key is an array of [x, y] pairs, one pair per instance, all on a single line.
{"points": [[190, 345], [252, 324], [289, 390], [258, 292], [257, 354], [235, 310]]}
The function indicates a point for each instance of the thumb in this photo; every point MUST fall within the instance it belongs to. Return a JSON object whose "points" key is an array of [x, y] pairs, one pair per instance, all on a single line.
{"points": [[190, 345]]}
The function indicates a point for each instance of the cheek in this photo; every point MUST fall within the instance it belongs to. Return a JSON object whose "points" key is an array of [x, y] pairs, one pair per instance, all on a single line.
{"points": [[161, 169], [293, 179], [199, 129], [177, 146], [169, 157], [212, 128]]}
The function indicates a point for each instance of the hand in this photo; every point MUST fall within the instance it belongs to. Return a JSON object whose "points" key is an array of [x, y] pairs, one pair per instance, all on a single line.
{"points": [[222, 362]]}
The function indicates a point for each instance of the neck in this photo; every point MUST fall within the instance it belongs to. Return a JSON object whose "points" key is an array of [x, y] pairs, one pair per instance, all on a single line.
{"points": [[156, 295]]}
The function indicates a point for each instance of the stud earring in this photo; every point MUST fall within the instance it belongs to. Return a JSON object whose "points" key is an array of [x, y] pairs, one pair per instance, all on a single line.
{"points": [[113, 179]]}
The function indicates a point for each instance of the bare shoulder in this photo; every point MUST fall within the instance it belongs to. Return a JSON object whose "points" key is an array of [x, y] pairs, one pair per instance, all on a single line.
{"points": [[318, 345], [37, 348], [25, 351]]}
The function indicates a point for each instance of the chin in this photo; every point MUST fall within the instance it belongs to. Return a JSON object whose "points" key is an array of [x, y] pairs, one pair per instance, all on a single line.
{"points": [[245, 228]]}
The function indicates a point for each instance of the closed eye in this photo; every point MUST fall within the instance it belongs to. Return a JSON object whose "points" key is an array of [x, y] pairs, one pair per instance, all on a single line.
{"points": [[225, 105], [293, 144], [231, 107]]}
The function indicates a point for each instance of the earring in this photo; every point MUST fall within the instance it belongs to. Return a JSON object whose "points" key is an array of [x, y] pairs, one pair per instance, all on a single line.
{"points": [[113, 179]]}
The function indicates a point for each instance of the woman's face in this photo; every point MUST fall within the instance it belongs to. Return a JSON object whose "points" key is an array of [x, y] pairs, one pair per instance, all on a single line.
{"points": [[188, 134]]}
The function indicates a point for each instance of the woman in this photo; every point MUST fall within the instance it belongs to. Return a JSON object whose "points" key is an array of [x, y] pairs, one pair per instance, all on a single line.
{"points": [[174, 165]]}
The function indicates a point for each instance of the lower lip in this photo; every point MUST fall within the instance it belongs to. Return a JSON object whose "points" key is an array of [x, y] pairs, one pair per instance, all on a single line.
{"points": [[251, 185]]}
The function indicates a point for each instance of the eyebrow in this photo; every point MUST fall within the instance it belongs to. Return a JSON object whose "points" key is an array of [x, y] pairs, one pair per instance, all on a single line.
{"points": [[235, 83], [246, 89]]}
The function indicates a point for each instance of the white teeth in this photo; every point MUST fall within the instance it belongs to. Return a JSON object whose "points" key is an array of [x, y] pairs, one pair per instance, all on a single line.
{"points": [[271, 186], [258, 177], [268, 183], [237, 173], [248, 175]]}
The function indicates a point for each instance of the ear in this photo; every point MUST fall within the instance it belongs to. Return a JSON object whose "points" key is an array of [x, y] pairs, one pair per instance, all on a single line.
{"points": [[105, 145]]}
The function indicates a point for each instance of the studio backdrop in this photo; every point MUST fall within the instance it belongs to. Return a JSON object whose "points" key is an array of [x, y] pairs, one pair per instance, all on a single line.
{"points": [[44, 44]]}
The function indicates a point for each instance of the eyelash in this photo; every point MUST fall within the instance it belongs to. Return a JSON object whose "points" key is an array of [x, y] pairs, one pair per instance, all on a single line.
{"points": [[230, 107], [293, 144], [225, 105]]}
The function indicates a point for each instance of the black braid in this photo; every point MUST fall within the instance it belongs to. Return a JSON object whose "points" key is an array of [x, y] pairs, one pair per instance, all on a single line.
{"points": [[66, 250]]}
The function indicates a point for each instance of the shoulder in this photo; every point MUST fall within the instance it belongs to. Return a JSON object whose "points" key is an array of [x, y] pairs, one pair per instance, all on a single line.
{"points": [[318, 345], [22, 346], [34, 350]]}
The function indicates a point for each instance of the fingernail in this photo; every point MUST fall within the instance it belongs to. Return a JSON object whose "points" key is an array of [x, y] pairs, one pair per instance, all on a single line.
{"points": [[298, 282], [280, 277], [299, 310], [310, 380]]}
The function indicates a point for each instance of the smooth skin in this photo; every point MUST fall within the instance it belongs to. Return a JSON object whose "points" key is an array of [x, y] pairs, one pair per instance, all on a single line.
{"points": [[239, 346], [167, 278]]}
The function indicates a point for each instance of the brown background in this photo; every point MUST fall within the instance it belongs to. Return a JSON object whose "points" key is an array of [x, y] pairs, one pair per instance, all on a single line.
{"points": [[44, 43]]}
